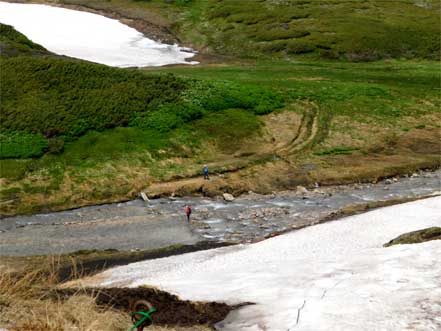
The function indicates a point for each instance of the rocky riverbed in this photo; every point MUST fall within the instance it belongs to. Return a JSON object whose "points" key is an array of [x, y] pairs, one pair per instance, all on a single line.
{"points": [[139, 225]]}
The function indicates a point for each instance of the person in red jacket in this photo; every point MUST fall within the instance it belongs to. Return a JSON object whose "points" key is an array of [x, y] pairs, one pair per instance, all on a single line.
{"points": [[188, 212]]}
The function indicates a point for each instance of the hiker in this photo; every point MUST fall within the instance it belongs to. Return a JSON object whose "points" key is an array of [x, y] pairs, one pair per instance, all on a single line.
{"points": [[206, 172], [188, 212]]}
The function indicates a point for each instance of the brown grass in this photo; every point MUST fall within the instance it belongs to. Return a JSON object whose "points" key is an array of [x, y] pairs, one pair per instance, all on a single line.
{"points": [[27, 303]]}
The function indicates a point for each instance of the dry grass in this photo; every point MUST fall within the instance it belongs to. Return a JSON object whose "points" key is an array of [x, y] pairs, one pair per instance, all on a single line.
{"points": [[27, 303]]}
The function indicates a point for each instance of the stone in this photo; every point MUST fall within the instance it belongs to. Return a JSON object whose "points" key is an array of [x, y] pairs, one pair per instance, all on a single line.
{"points": [[228, 197], [301, 189], [388, 181], [144, 197]]}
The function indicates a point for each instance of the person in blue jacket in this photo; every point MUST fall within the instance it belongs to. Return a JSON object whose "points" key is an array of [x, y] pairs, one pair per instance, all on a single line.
{"points": [[206, 172]]}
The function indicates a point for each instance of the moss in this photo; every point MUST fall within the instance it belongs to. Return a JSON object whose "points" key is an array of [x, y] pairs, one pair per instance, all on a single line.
{"points": [[415, 237]]}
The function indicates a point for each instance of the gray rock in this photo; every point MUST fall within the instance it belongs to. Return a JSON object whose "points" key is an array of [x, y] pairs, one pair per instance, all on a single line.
{"points": [[144, 197], [301, 190], [228, 197]]}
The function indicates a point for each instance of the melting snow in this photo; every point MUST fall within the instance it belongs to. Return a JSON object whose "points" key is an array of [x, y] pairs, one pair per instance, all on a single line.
{"points": [[89, 36], [333, 276]]}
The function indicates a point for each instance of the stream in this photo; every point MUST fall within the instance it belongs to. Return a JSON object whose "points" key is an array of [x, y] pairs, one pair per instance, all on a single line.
{"points": [[140, 225]]}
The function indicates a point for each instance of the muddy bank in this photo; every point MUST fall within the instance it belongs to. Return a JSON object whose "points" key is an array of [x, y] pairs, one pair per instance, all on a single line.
{"points": [[139, 225], [170, 310], [89, 263]]}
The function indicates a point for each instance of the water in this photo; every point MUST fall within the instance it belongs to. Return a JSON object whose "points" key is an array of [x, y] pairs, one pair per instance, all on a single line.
{"points": [[89, 36], [145, 225]]}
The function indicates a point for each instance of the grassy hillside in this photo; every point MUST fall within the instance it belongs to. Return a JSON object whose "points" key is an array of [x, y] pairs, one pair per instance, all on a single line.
{"points": [[354, 30], [13, 43], [49, 99], [75, 133]]}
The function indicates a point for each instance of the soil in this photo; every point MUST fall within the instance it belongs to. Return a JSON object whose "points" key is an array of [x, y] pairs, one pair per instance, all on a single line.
{"points": [[96, 261], [170, 310]]}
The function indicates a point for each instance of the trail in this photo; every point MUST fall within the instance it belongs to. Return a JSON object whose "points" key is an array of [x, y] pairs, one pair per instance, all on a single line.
{"points": [[304, 135]]}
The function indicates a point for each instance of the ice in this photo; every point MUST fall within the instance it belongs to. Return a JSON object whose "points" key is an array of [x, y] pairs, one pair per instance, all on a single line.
{"points": [[333, 276], [89, 36]]}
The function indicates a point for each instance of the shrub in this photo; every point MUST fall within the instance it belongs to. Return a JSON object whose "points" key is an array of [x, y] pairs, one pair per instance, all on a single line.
{"points": [[21, 145], [299, 47], [55, 145]]}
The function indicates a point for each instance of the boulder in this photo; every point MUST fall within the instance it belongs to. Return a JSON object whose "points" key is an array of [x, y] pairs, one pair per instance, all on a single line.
{"points": [[228, 197], [301, 190], [144, 197]]}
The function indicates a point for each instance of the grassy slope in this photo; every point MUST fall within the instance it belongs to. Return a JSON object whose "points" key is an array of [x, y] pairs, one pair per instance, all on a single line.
{"points": [[365, 110], [354, 30], [13, 43]]}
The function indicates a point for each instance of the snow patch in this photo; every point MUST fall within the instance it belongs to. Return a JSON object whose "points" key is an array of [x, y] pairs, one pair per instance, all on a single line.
{"points": [[333, 276], [89, 36]]}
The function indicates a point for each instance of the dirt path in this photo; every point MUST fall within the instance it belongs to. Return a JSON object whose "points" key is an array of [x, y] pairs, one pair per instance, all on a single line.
{"points": [[283, 144]]}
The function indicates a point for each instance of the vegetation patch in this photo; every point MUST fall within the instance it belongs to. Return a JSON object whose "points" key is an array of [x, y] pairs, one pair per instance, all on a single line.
{"points": [[337, 151], [356, 30], [416, 237], [21, 145], [13, 43], [48, 98]]}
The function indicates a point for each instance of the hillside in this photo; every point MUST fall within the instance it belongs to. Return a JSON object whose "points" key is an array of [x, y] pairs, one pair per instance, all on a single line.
{"points": [[13, 43], [354, 30], [260, 124], [46, 101]]}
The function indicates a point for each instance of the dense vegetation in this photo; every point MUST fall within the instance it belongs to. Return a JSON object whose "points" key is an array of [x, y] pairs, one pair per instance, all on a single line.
{"points": [[73, 132], [49, 97], [353, 30], [332, 29], [13, 43]]}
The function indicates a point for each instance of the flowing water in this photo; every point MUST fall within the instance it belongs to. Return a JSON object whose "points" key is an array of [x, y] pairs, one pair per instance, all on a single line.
{"points": [[145, 225]]}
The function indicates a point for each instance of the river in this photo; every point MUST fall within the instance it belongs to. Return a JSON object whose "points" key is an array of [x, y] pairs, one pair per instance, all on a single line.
{"points": [[139, 225]]}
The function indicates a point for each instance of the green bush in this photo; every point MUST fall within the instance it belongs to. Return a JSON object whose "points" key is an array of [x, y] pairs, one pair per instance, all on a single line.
{"points": [[55, 145], [299, 47], [21, 145], [66, 98], [58, 97]]}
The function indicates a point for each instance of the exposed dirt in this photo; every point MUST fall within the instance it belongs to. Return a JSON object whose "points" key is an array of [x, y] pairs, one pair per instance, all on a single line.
{"points": [[290, 166], [90, 263], [170, 310]]}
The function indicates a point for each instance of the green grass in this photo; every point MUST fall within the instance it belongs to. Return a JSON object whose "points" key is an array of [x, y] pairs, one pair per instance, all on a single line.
{"points": [[336, 151], [13, 43], [49, 97], [108, 130], [350, 30], [356, 30]]}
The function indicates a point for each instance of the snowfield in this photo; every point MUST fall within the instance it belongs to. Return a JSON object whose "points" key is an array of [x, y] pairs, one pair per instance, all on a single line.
{"points": [[333, 276], [89, 36]]}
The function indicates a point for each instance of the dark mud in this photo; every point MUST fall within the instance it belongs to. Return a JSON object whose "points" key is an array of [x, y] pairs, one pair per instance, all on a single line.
{"points": [[170, 310], [90, 263]]}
